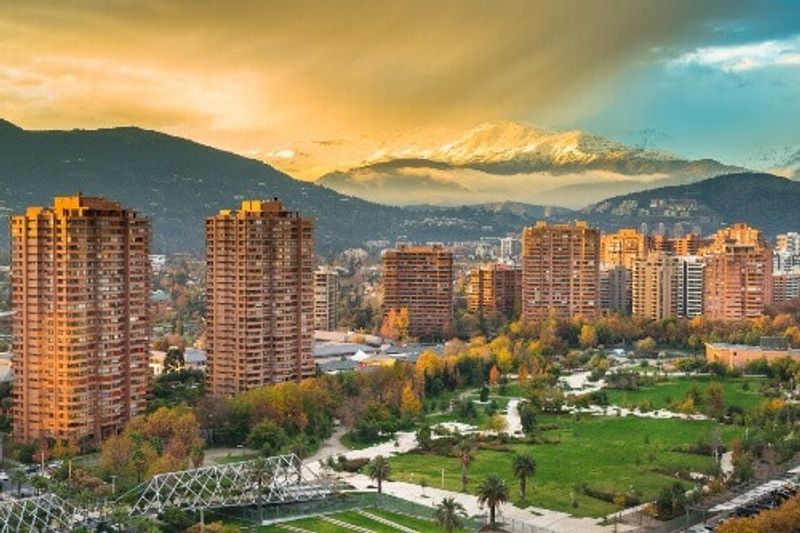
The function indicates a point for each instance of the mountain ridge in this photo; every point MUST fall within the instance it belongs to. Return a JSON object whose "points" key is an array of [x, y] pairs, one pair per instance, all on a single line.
{"points": [[178, 182], [502, 160]]}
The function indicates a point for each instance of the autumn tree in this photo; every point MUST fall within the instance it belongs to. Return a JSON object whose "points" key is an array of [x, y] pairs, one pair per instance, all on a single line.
{"points": [[494, 375], [411, 404], [588, 336]]}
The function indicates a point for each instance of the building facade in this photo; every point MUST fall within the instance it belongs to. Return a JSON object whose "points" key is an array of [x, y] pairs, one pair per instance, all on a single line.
{"points": [[496, 287], [259, 297], [615, 289], [326, 299], [623, 248], [420, 279], [738, 274], [509, 249], [560, 270], [80, 289], [691, 286], [785, 286], [655, 286]]}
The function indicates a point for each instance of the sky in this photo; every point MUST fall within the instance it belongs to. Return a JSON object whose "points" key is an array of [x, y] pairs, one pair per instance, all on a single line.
{"points": [[322, 83]]}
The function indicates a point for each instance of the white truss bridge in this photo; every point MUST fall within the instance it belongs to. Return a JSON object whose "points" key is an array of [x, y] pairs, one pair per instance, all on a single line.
{"points": [[274, 480], [270, 481], [40, 513]]}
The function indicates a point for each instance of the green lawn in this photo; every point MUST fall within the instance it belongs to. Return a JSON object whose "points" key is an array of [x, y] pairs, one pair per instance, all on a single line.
{"points": [[608, 453], [238, 458], [662, 394], [317, 524]]}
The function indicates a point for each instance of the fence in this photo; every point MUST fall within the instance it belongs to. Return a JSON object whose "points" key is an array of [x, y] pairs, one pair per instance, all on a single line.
{"points": [[512, 525], [338, 503]]}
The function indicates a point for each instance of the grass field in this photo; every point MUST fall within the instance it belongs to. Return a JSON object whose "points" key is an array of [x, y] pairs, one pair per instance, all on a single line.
{"points": [[608, 453], [662, 394], [319, 524], [238, 458]]}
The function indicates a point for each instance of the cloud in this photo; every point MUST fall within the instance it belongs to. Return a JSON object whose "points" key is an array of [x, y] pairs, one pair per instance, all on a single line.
{"points": [[744, 57]]}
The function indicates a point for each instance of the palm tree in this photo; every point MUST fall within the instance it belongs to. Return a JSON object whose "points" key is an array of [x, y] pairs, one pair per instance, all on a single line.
{"points": [[379, 469], [466, 454], [524, 468], [492, 492], [449, 513]]}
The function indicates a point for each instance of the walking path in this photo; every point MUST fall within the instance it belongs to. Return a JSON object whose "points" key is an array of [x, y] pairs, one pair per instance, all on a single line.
{"points": [[611, 410], [556, 522]]}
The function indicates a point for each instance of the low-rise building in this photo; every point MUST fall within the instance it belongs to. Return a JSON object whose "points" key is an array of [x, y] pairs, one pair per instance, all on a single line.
{"points": [[737, 355]]}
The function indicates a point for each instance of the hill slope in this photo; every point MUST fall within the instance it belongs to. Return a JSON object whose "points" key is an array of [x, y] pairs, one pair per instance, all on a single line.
{"points": [[178, 183], [762, 200]]}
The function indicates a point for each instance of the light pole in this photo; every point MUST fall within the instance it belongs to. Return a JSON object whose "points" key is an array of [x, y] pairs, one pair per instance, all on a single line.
{"points": [[113, 485]]}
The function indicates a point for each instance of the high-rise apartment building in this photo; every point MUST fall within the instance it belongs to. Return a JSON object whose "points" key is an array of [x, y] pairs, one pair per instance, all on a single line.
{"points": [[80, 287], [689, 245], [788, 242], [509, 249], [615, 289], [691, 286], [623, 248], [496, 287], [655, 286], [738, 274], [785, 286], [326, 299], [560, 270], [420, 279], [259, 297]]}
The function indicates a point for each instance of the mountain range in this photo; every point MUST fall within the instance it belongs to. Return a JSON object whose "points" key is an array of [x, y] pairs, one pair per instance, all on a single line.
{"points": [[501, 160], [178, 183]]}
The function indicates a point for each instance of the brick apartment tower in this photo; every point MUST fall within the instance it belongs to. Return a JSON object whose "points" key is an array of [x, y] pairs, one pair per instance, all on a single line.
{"points": [[738, 274], [560, 270], [326, 299], [655, 286], [495, 287], [259, 297], [623, 248], [420, 278], [80, 287]]}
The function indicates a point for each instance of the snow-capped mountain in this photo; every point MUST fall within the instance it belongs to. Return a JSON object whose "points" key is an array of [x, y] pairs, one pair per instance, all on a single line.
{"points": [[510, 161]]}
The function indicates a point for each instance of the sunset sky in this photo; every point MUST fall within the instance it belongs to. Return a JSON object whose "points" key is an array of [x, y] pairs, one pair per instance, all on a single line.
{"points": [[323, 83]]}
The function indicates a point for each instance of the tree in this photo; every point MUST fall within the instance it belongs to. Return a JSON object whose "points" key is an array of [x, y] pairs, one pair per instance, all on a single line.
{"points": [[449, 513], [424, 437], [494, 375], [484, 394], [524, 468], [588, 336], [379, 469], [715, 401], [18, 478], [173, 360], [427, 363], [176, 519], [496, 423], [65, 449], [410, 405], [267, 437], [527, 417], [466, 454], [645, 346], [492, 492]]}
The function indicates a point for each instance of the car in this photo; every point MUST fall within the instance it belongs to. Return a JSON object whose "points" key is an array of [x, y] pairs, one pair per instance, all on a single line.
{"points": [[4, 476]]}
